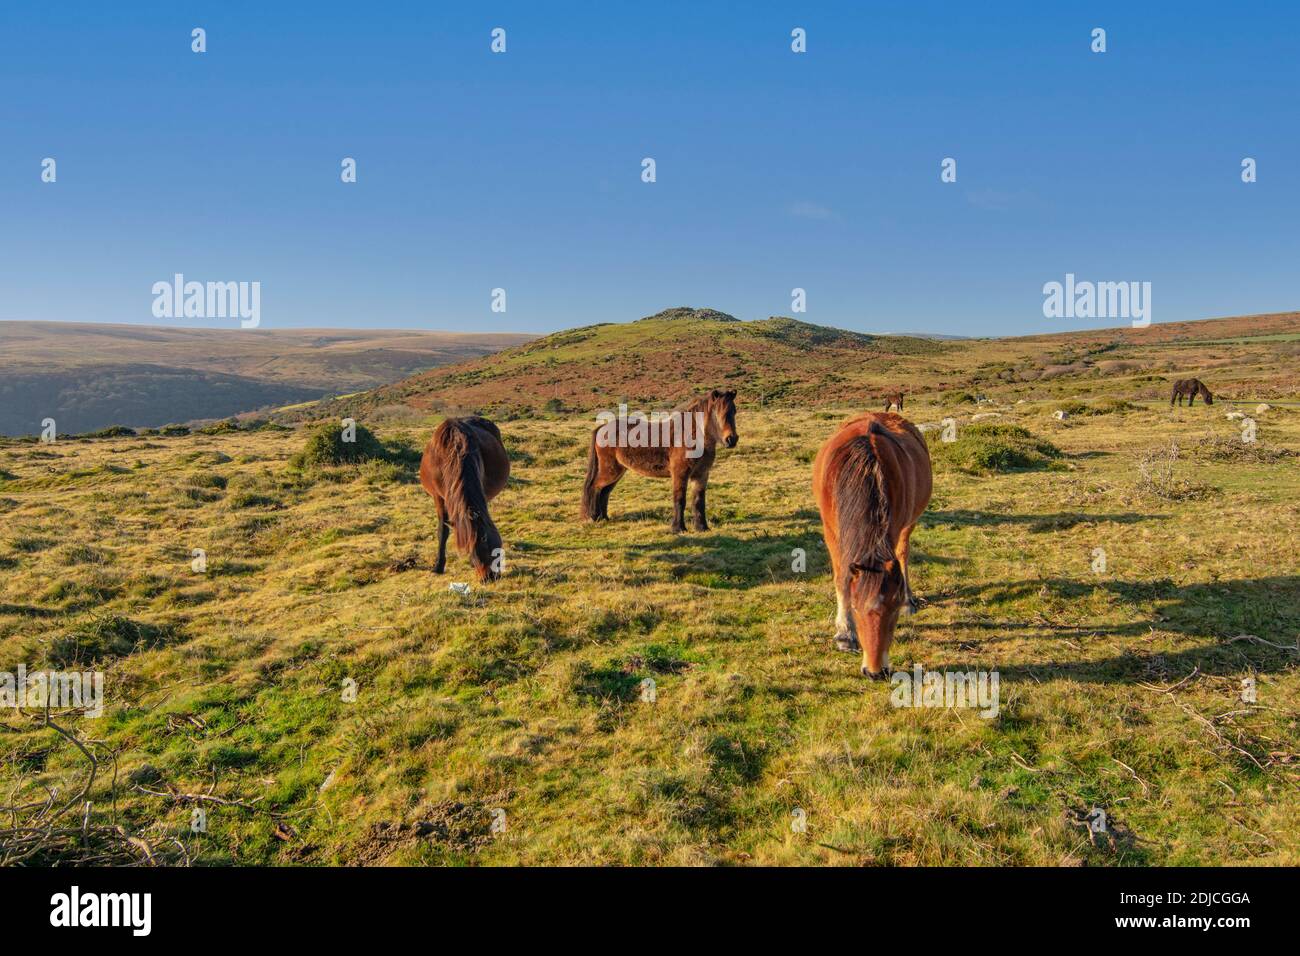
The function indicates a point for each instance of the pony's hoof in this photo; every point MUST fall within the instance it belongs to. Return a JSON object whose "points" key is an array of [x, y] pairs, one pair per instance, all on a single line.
{"points": [[677, 529], [877, 676], [846, 642], [700, 526]]}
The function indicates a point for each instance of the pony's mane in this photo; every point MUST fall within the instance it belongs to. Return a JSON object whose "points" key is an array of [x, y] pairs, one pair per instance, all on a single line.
{"points": [[700, 403], [862, 510], [462, 481]]}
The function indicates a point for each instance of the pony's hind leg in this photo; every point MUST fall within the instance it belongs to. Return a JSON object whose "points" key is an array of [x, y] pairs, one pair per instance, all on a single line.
{"points": [[443, 530], [605, 487], [679, 501], [700, 522], [903, 553]]}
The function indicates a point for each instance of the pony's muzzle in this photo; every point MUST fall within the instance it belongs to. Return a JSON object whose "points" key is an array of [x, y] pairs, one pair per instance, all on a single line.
{"points": [[731, 441], [883, 674]]}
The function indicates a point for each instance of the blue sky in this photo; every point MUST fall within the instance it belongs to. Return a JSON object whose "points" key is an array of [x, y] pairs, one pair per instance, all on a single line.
{"points": [[775, 170]]}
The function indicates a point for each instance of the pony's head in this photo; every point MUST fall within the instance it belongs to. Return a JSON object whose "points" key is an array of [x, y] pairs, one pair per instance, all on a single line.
{"points": [[484, 544], [877, 594], [1209, 399], [722, 412]]}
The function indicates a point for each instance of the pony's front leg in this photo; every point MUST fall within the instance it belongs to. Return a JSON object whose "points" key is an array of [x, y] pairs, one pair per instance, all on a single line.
{"points": [[679, 501], [846, 637], [443, 530]]}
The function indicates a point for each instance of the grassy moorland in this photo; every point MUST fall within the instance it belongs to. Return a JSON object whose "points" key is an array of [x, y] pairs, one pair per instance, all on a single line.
{"points": [[1120, 690]]}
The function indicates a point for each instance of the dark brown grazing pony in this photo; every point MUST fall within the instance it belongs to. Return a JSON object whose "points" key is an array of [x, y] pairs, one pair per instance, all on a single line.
{"points": [[609, 459], [463, 468], [872, 481], [1189, 388], [893, 398]]}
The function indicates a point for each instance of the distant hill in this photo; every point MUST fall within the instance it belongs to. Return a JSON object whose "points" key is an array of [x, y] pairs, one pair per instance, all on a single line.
{"points": [[663, 358], [87, 376]]}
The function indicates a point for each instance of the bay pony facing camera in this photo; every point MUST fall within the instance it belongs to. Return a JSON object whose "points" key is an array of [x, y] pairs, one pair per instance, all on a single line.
{"points": [[613, 453], [872, 481]]}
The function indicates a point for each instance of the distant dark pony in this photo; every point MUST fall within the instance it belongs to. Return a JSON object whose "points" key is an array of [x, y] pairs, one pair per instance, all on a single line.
{"points": [[1189, 388], [685, 454], [894, 399], [872, 481], [464, 467]]}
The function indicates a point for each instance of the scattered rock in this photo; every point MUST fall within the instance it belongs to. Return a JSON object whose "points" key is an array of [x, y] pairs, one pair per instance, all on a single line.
{"points": [[1060, 414], [983, 415], [1261, 408], [1234, 415]]}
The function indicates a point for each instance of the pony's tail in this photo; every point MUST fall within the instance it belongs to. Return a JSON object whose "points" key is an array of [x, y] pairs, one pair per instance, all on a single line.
{"points": [[467, 511], [862, 515], [589, 486]]}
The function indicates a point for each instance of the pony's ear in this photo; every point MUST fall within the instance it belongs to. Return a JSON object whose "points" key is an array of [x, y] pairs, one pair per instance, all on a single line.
{"points": [[715, 394], [730, 393]]}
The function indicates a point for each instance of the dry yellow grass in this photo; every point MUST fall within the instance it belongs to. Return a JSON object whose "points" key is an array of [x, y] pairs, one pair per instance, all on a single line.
{"points": [[524, 696]]}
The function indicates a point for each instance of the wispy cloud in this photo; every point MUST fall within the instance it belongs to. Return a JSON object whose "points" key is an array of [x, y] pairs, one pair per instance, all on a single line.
{"points": [[805, 209]]}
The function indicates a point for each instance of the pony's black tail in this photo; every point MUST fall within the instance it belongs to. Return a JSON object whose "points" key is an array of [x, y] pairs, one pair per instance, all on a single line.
{"points": [[589, 493], [467, 511]]}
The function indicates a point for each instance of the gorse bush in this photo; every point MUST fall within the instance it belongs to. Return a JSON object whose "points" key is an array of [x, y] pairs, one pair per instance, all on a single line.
{"points": [[992, 447], [112, 431], [1106, 406], [325, 447]]}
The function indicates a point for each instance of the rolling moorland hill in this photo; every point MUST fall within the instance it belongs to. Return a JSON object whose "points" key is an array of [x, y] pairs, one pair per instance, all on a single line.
{"points": [[89, 376], [781, 362]]}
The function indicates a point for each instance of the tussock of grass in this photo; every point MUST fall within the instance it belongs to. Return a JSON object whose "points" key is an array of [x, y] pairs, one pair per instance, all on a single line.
{"points": [[988, 447], [106, 636]]}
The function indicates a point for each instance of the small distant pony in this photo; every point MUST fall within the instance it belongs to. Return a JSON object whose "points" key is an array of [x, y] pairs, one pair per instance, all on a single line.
{"points": [[465, 466], [872, 481], [1190, 388], [894, 399], [611, 456]]}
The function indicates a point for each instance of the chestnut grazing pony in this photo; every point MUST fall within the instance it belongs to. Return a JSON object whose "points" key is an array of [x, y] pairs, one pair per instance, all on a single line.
{"points": [[463, 468], [893, 398], [1190, 388], [611, 456], [872, 481]]}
